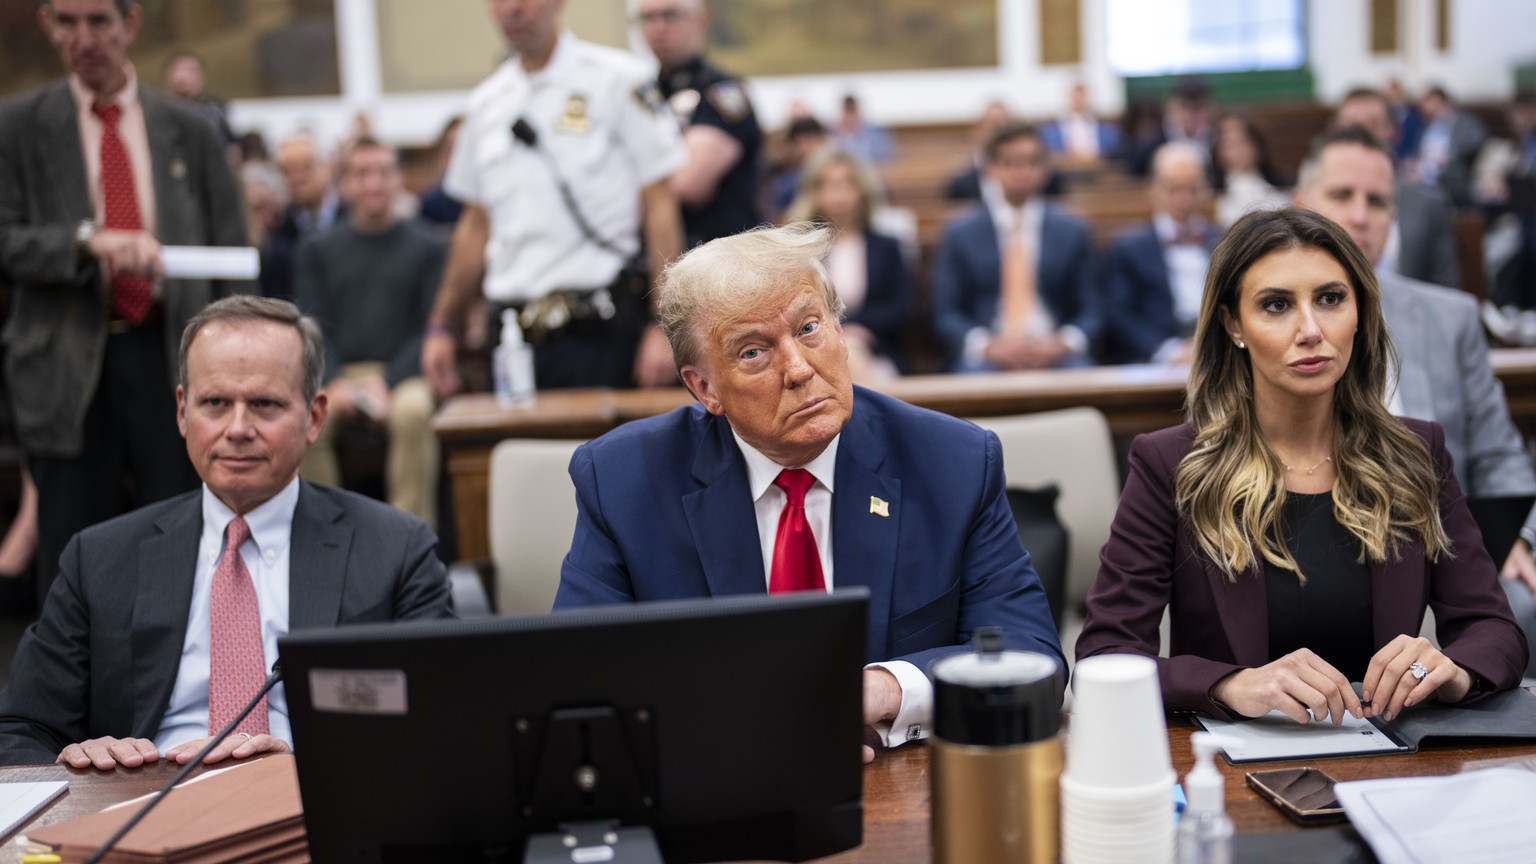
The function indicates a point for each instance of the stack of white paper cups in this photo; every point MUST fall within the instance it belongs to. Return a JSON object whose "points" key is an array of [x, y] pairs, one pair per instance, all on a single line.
{"points": [[1117, 789]]}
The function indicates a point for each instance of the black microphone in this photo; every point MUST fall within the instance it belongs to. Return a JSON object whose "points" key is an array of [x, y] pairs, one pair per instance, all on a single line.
{"points": [[276, 676], [522, 131]]}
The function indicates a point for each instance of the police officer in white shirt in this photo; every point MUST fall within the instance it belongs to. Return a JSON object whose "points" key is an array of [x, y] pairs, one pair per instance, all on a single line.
{"points": [[564, 158]]}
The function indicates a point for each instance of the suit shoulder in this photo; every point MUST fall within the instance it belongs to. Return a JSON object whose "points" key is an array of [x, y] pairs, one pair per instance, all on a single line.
{"points": [[1062, 216], [922, 427], [138, 524], [970, 220], [1132, 235], [1445, 301], [1166, 447], [28, 102], [362, 511], [646, 437], [1428, 431]]}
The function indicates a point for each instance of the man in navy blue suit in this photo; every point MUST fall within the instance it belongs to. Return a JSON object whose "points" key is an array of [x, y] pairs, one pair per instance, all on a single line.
{"points": [[1155, 272], [1013, 281], [785, 475]]}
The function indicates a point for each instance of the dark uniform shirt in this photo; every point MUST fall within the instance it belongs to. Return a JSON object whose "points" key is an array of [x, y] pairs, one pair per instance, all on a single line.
{"points": [[701, 94]]}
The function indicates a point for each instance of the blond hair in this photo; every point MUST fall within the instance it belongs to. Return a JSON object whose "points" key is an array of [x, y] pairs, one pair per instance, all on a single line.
{"points": [[716, 284], [1230, 487]]}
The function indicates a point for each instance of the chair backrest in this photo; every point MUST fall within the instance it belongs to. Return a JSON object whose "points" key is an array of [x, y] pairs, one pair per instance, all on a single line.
{"points": [[1072, 449], [532, 518]]}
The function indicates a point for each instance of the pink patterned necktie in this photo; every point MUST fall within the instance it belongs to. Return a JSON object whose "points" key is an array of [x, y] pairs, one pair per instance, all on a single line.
{"points": [[132, 294], [796, 561], [237, 665]]}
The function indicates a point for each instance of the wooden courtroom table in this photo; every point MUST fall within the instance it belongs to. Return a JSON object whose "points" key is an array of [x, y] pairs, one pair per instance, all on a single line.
{"points": [[1134, 399], [896, 799]]}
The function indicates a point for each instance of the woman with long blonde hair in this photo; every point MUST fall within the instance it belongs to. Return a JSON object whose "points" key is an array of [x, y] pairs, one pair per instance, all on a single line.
{"points": [[1294, 529]]}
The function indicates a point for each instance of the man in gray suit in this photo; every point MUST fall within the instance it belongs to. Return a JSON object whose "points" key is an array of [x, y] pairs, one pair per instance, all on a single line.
{"points": [[139, 652], [1445, 376], [96, 173], [1419, 243]]}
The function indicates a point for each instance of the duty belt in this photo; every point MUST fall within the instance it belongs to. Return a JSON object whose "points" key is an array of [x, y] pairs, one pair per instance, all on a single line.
{"points": [[541, 316]]}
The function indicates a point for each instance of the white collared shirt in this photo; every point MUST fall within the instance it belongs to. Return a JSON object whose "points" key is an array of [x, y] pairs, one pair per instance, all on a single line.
{"points": [[768, 501], [600, 119], [848, 265], [1187, 263], [1080, 135], [266, 556]]}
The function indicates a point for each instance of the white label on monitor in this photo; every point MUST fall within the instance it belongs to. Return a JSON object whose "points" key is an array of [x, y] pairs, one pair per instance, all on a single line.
{"points": [[591, 854], [358, 691]]}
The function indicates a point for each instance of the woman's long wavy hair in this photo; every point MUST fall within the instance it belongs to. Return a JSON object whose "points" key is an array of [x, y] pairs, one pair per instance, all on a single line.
{"points": [[1231, 486]]}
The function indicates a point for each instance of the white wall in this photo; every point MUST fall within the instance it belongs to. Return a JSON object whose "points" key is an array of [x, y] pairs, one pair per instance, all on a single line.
{"points": [[1488, 38]]}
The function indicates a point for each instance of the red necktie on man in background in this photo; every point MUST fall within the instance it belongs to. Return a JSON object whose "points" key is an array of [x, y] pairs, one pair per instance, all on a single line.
{"points": [[237, 664], [131, 293], [796, 561]]}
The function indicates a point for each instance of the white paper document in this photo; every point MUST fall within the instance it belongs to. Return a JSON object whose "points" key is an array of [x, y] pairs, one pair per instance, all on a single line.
{"points": [[21, 801], [210, 262], [1276, 736], [1482, 816]]}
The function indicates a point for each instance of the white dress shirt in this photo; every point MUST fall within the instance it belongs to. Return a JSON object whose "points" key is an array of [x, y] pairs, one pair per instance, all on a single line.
{"points": [[768, 501], [266, 555], [848, 266]]}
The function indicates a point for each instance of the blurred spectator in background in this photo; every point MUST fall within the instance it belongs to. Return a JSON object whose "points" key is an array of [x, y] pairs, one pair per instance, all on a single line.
{"points": [[1079, 135], [1013, 284], [184, 79], [266, 205], [437, 206], [1450, 143], [966, 184], [1142, 133], [866, 266], [313, 205], [370, 281], [1421, 245], [805, 136], [718, 184], [1155, 273], [854, 134], [1407, 119], [1241, 174]]}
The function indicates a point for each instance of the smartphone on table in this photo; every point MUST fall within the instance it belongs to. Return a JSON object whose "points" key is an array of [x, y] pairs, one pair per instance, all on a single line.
{"points": [[1303, 794]]}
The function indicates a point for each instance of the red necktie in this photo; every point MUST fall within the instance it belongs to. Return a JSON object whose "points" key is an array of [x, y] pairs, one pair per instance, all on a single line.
{"points": [[237, 666], [131, 293], [796, 563]]}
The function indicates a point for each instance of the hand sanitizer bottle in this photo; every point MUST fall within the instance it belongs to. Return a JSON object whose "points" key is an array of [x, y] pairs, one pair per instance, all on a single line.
{"points": [[1205, 832], [512, 364]]}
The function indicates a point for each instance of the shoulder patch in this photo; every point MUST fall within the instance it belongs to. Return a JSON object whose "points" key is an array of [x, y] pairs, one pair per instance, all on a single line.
{"points": [[730, 100], [648, 96]]}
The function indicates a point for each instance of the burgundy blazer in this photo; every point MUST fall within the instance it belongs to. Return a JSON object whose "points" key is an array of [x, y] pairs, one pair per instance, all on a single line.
{"points": [[1218, 626]]}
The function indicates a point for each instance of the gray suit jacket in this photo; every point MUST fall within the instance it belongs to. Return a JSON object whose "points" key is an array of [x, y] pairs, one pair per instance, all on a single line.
{"points": [[57, 333], [104, 656], [1446, 377], [1427, 248]]}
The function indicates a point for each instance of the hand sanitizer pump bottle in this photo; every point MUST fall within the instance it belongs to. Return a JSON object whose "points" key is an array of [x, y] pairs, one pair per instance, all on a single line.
{"points": [[1205, 832], [512, 364]]}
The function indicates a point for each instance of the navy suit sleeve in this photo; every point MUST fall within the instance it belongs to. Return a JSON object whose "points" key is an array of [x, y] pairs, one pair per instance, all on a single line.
{"points": [[1138, 319], [1084, 288], [950, 320], [593, 572], [46, 704], [998, 587]]}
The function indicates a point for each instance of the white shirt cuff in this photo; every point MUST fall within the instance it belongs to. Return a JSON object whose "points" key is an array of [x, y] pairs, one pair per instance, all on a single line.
{"points": [[1074, 338], [916, 714], [975, 351]]}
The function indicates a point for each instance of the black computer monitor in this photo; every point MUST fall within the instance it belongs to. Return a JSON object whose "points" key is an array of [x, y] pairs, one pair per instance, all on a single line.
{"points": [[731, 728]]}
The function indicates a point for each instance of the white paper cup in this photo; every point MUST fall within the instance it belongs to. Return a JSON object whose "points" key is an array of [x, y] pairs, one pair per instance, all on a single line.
{"points": [[1118, 738]]}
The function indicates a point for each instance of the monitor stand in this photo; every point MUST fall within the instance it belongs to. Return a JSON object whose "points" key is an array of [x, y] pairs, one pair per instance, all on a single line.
{"points": [[594, 843]]}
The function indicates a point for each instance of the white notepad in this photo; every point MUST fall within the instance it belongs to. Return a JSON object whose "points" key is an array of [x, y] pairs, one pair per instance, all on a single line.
{"points": [[210, 262], [21, 801]]}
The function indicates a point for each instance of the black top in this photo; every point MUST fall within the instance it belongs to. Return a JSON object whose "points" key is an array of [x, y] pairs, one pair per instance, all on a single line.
{"points": [[701, 94], [1331, 613]]}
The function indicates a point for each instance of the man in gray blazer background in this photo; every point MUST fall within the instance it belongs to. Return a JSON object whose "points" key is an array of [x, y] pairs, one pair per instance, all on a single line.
{"points": [[96, 173], [1446, 375], [1419, 243], [163, 622]]}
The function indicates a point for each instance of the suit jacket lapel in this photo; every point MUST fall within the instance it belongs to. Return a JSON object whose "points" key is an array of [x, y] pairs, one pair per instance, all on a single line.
{"points": [[317, 561], [863, 541], [167, 569], [721, 515], [1398, 592]]}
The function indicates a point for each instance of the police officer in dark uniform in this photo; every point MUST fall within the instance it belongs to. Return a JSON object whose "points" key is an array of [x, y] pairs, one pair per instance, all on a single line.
{"points": [[718, 185]]}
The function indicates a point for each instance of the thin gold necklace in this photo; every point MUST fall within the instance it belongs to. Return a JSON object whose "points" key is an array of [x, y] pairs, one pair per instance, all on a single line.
{"points": [[1288, 468]]}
